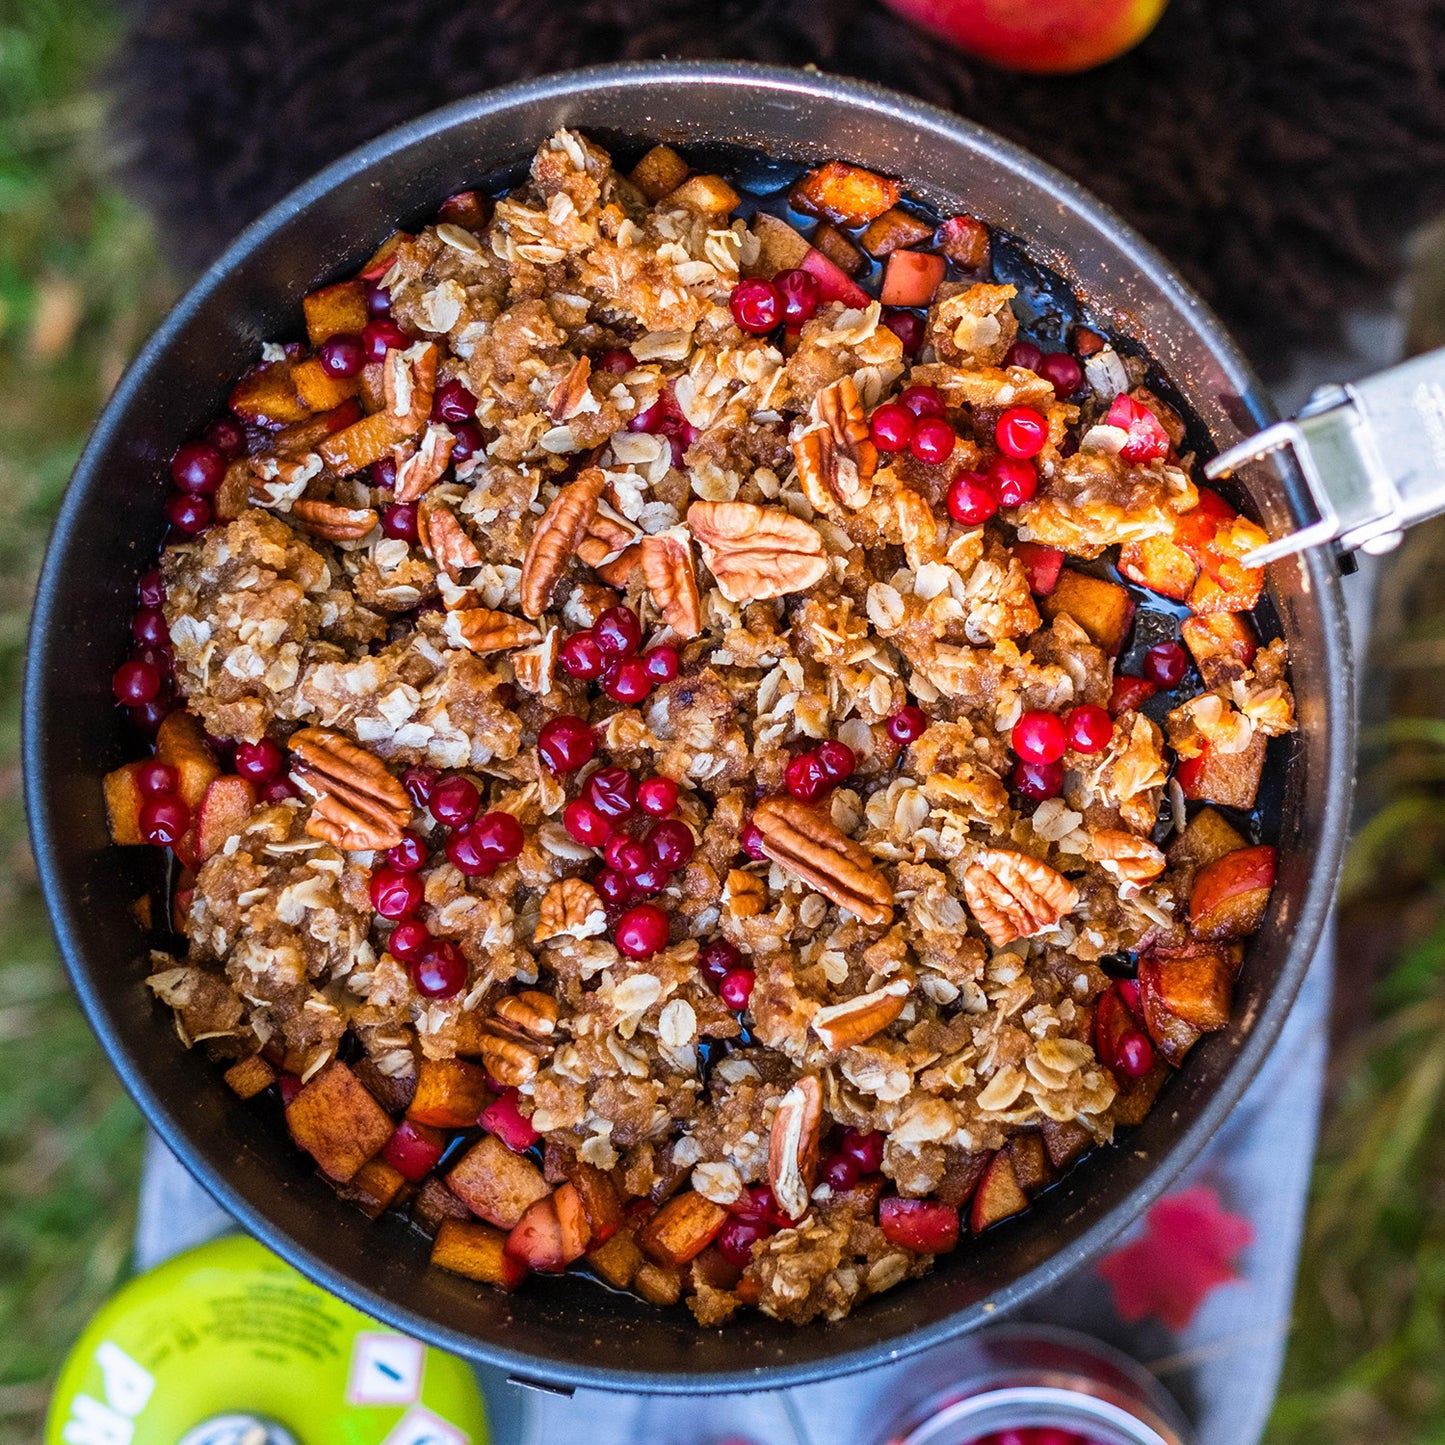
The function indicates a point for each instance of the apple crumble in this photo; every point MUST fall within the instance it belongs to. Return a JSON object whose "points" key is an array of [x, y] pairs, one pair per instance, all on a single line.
{"points": [[697, 748]]}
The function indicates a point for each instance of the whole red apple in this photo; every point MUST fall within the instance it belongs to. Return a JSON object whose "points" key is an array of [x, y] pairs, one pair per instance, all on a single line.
{"points": [[1045, 36]]}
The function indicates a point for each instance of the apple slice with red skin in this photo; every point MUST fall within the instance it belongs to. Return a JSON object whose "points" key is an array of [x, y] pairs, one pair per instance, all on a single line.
{"points": [[960, 1177], [414, 1150], [926, 1226], [911, 278], [123, 802], [1041, 565], [552, 1233], [1064, 1142], [998, 1195], [1129, 694], [601, 1202], [1173, 1036], [503, 1118], [1112, 1020], [1232, 893], [833, 283], [477, 1251], [1030, 1161], [229, 801], [1195, 984]]}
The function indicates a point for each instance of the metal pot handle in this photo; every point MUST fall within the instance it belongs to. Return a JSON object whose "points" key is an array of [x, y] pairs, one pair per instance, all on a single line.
{"points": [[1372, 452]]}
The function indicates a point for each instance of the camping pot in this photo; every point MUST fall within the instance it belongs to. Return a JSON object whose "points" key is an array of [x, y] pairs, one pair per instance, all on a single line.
{"points": [[564, 1332]]}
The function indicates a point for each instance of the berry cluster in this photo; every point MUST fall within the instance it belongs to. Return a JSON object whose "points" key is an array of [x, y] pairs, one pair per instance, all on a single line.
{"points": [[1042, 738], [917, 423]]}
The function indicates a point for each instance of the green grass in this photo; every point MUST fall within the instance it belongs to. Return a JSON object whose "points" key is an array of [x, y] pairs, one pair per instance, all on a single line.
{"points": [[80, 284]]}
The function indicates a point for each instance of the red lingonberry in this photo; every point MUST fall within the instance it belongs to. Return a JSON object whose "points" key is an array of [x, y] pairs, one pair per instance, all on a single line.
{"points": [[932, 441], [616, 360], [641, 931], [736, 1239], [148, 627], [612, 791], [454, 801], [891, 426], [189, 514], [1021, 432], [566, 743], [1024, 354], [439, 970], [198, 467], [671, 844], [757, 305], [1038, 737], [661, 663], [717, 959], [227, 435], [396, 895], [467, 857], [398, 521], [805, 779], [382, 335], [1134, 1055], [342, 355], [260, 761], [1014, 480], [1062, 372], [453, 402], [498, 836], [840, 1171], [907, 725], [151, 589], [922, 401], [164, 820], [1039, 781], [736, 988], [408, 939], [410, 854], [156, 779], [614, 888], [865, 1148], [467, 442], [582, 657], [628, 682], [420, 782], [625, 855], [799, 290], [837, 760], [618, 632], [1165, 664], [586, 823], [908, 327], [971, 499], [652, 879], [383, 473], [135, 683], [751, 842]]}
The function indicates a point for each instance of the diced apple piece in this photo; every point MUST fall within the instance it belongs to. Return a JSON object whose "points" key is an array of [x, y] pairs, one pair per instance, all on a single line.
{"points": [[1231, 894], [911, 278], [373, 1188], [266, 395], [1206, 837], [1030, 1161], [1229, 779], [1222, 645], [660, 172], [893, 230], [1225, 583], [383, 257], [601, 1202], [537, 1238], [123, 800], [965, 241], [1159, 564], [233, 496], [1041, 564], [318, 389], [450, 1094], [1196, 529], [477, 1251], [495, 1184], [229, 801], [1195, 984], [926, 1226], [1064, 1142], [960, 1178], [780, 247], [335, 311], [362, 443], [616, 1259], [658, 1286], [305, 436], [435, 1203], [392, 1091], [847, 195], [837, 247], [181, 742], [337, 1122], [1136, 1096], [414, 1150], [1173, 1036], [833, 283], [1129, 694], [249, 1077], [1103, 609], [998, 1195], [1112, 1020], [576, 1231], [681, 1229], [710, 195], [503, 1118], [469, 209]]}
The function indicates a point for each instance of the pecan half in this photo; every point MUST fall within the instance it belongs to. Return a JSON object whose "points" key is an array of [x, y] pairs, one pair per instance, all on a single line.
{"points": [[607, 537], [556, 537], [1130, 858], [835, 458], [408, 381], [745, 895], [357, 803], [535, 667], [533, 1012], [444, 541], [479, 629], [1014, 895], [793, 1146], [618, 572], [807, 843], [512, 1061], [277, 481], [855, 1021], [421, 468], [667, 569], [757, 552], [331, 522], [570, 908], [570, 394]]}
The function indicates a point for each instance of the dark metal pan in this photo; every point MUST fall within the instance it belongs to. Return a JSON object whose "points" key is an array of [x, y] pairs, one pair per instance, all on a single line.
{"points": [[568, 1332]]}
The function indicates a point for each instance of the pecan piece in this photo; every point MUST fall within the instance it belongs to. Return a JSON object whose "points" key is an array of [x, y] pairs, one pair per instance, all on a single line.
{"points": [[570, 908], [510, 1060], [420, 469], [570, 394], [607, 537], [556, 537], [531, 1011], [667, 569], [357, 803], [836, 459], [745, 895], [807, 843], [618, 572], [331, 522], [1014, 895], [757, 552], [1130, 858], [918, 529], [479, 629], [444, 541], [408, 381], [856, 1020], [793, 1145]]}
